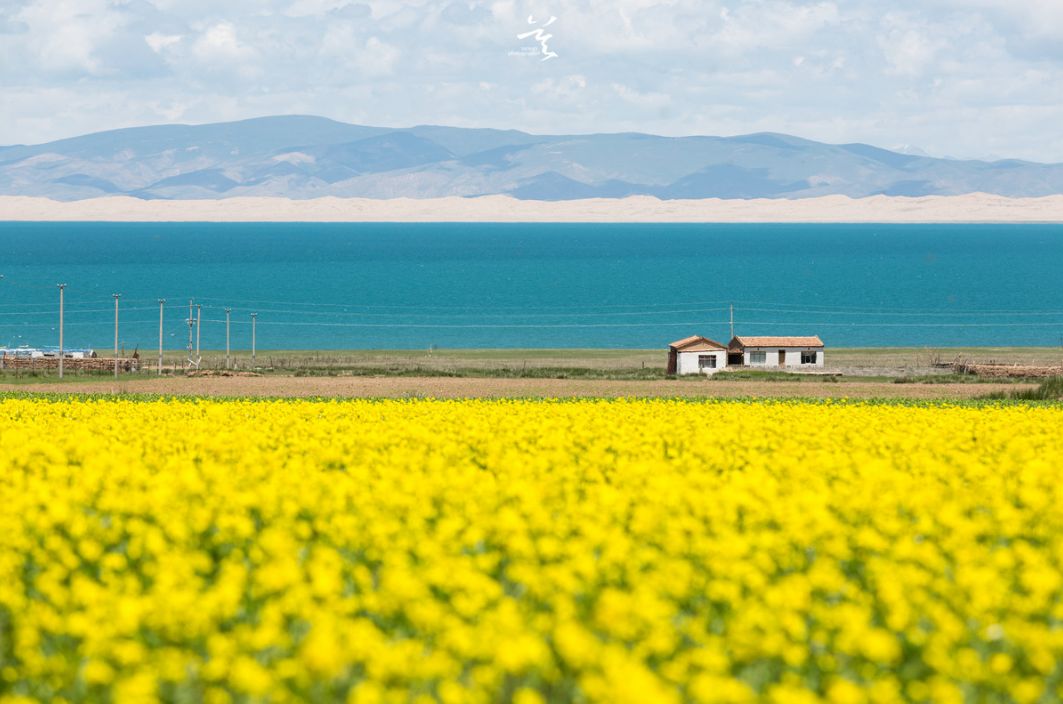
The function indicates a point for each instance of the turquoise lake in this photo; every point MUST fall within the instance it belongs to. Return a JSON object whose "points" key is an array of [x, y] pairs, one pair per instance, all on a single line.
{"points": [[391, 286]]}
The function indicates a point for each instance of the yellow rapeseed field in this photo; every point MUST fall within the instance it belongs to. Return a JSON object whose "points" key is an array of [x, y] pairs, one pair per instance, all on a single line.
{"points": [[522, 551]]}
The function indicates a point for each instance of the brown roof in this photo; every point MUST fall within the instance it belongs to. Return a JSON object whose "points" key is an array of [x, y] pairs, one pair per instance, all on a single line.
{"points": [[743, 341], [707, 346], [696, 343]]}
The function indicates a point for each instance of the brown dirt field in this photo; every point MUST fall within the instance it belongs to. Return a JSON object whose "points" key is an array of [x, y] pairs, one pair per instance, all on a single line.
{"points": [[450, 387]]}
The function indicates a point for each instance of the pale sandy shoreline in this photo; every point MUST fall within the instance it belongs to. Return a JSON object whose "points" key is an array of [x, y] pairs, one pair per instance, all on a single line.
{"points": [[971, 208]]}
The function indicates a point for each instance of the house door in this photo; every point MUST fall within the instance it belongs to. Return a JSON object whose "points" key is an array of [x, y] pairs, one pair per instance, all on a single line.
{"points": [[782, 358]]}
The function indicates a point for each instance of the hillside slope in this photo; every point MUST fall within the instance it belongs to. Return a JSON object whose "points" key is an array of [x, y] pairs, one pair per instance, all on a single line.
{"points": [[309, 157]]}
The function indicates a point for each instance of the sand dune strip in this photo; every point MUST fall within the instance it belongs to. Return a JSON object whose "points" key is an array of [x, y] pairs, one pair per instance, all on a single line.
{"points": [[976, 207]]}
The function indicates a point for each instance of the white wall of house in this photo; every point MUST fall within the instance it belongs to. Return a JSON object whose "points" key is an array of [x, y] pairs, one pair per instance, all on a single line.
{"points": [[689, 363], [771, 357]]}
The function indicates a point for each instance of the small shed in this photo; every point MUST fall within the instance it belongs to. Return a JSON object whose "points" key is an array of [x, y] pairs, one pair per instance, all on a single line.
{"points": [[776, 352], [696, 355]]}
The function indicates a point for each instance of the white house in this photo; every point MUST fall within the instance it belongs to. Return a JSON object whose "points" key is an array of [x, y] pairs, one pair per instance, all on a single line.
{"points": [[776, 352], [696, 355]]}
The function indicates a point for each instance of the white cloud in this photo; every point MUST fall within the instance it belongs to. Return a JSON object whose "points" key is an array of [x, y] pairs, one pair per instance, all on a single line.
{"points": [[219, 42], [169, 111], [158, 41], [644, 100], [564, 88], [1032, 18], [66, 34], [220, 53], [309, 8], [758, 25], [951, 76], [358, 58], [908, 51], [377, 57]]}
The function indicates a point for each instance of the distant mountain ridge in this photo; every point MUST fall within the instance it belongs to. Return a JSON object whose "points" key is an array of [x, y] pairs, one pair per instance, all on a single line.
{"points": [[307, 157]]}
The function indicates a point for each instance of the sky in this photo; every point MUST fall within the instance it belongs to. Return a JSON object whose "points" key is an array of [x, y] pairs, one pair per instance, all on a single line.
{"points": [[960, 78]]}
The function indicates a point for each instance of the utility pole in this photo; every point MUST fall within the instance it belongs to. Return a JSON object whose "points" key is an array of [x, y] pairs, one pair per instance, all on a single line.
{"points": [[227, 312], [116, 297], [253, 317], [61, 287], [162, 302], [190, 321], [732, 321], [199, 319]]}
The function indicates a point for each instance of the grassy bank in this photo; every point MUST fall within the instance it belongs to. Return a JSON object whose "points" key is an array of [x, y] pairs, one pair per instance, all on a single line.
{"points": [[896, 364], [1050, 390]]}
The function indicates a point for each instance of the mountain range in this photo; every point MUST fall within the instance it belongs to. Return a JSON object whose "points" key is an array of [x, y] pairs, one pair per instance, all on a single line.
{"points": [[307, 157]]}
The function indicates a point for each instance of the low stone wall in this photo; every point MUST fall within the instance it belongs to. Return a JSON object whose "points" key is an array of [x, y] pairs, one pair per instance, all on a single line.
{"points": [[95, 364], [1008, 371]]}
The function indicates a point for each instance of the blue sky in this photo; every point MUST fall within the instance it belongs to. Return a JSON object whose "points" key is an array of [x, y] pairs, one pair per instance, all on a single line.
{"points": [[966, 78]]}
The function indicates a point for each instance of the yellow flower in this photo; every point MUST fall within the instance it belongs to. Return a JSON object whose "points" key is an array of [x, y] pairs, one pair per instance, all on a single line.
{"points": [[845, 692], [248, 676], [527, 696], [586, 550], [97, 672]]}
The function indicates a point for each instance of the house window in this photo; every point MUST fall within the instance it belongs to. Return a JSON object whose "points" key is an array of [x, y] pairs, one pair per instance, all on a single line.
{"points": [[808, 358], [758, 357], [706, 361]]}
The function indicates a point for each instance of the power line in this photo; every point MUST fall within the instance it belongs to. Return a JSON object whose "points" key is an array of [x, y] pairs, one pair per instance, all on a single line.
{"points": [[722, 323], [906, 314], [451, 307], [279, 323], [488, 315], [908, 325], [652, 308], [722, 304], [677, 311], [70, 311]]}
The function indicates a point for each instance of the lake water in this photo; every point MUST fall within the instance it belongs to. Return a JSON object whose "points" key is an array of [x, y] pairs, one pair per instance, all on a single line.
{"points": [[336, 286]]}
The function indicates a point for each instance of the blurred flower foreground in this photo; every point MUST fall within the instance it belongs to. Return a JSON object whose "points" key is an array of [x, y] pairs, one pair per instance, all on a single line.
{"points": [[529, 551]]}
